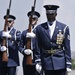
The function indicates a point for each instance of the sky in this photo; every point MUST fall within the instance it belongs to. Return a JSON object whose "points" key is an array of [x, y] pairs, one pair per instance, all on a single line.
{"points": [[20, 8]]}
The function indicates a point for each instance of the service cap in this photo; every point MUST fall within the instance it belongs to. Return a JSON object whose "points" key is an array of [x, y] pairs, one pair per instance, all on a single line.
{"points": [[50, 9], [10, 17], [35, 14]]}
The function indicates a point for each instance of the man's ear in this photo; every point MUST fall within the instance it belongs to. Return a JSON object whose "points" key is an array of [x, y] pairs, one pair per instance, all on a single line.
{"points": [[55, 14], [13, 22]]}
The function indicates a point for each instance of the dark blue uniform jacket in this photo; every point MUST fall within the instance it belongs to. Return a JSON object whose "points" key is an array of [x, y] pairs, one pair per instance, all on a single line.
{"points": [[12, 48], [62, 57]]}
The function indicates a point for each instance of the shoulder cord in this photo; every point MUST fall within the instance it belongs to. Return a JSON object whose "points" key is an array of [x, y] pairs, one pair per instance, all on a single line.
{"points": [[15, 34], [65, 29]]}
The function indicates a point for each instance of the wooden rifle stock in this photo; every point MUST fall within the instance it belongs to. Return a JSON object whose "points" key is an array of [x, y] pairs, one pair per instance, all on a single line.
{"points": [[4, 56], [28, 45]]}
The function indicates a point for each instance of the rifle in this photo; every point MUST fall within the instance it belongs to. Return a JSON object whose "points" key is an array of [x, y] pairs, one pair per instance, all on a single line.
{"points": [[4, 55], [28, 44]]}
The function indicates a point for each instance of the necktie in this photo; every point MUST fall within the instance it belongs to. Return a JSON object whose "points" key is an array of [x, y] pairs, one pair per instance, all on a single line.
{"points": [[8, 28], [32, 26], [50, 23]]}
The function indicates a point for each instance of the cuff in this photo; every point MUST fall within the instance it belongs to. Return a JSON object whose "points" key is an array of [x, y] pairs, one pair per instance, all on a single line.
{"points": [[69, 64]]}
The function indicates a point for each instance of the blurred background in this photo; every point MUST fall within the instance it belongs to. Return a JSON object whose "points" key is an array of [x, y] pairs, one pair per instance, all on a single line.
{"points": [[20, 8]]}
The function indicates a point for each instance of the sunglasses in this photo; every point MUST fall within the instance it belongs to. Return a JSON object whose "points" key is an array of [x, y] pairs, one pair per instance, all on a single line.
{"points": [[9, 21], [34, 18]]}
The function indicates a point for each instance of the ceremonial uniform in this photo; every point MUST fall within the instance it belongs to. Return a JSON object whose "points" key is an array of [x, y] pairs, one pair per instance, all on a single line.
{"points": [[12, 50], [53, 40], [22, 47]]}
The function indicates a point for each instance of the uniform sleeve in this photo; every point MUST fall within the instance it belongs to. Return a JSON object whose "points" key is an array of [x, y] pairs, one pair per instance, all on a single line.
{"points": [[22, 42], [37, 48], [67, 48], [1, 38]]}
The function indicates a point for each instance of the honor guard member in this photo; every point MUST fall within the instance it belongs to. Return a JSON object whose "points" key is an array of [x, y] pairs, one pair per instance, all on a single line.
{"points": [[53, 40], [13, 37], [25, 35]]}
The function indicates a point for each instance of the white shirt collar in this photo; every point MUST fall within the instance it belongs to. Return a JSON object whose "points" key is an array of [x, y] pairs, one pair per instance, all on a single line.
{"points": [[10, 29], [54, 23], [34, 27], [51, 28]]}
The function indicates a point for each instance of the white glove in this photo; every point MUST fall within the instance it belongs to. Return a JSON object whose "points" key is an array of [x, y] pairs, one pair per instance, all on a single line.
{"points": [[30, 35], [3, 48], [69, 70], [38, 68], [28, 51], [6, 34]]}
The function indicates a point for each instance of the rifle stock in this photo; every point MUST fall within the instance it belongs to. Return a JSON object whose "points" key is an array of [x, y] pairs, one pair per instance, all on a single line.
{"points": [[28, 45], [4, 56]]}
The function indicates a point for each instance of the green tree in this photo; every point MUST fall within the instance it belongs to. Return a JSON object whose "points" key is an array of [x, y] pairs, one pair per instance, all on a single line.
{"points": [[73, 64]]}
